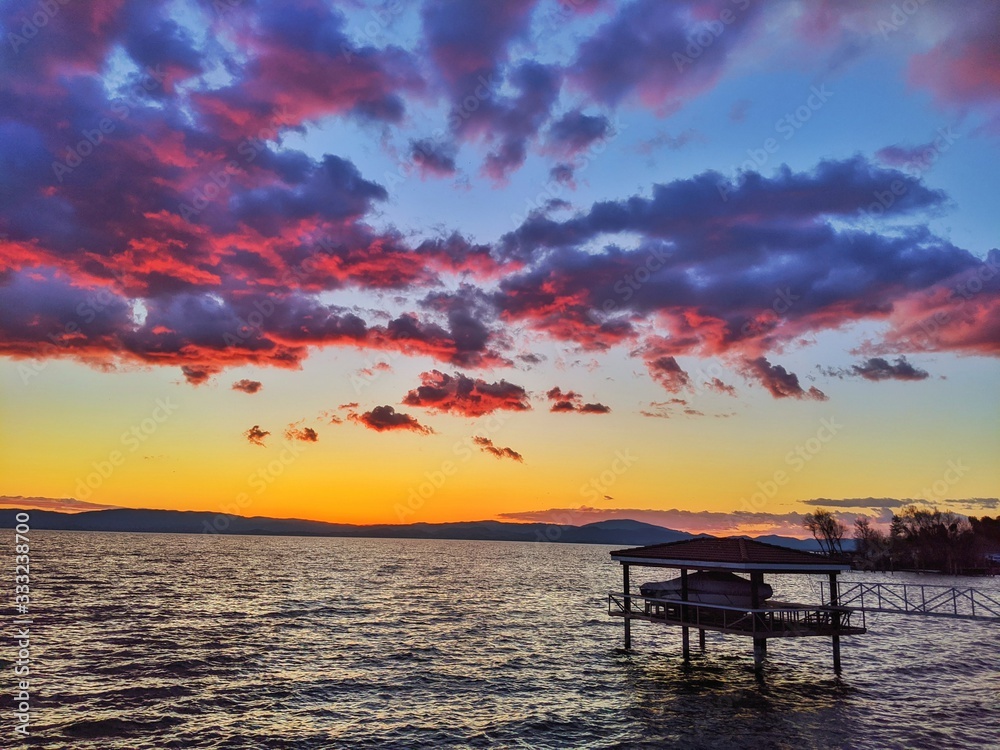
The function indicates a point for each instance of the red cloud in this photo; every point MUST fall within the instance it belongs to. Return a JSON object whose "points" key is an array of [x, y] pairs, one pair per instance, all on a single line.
{"points": [[964, 68], [668, 373], [780, 382], [558, 394], [369, 372], [384, 418], [571, 401], [962, 314], [302, 61], [206, 333], [463, 395], [247, 386], [715, 384], [198, 374], [305, 434], [226, 241], [256, 435]]}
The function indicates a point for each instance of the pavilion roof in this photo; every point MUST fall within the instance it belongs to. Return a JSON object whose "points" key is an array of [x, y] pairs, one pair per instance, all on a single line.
{"points": [[729, 553]]}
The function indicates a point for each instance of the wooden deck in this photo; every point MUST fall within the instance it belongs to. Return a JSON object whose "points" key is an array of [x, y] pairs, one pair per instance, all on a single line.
{"points": [[777, 620]]}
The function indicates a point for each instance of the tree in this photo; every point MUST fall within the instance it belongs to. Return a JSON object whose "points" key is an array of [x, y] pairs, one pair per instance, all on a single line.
{"points": [[872, 547], [934, 539], [987, 528], [826, 530]]}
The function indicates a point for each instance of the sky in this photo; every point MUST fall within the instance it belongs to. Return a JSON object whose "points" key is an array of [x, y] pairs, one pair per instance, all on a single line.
{"points": [[709, 264]]}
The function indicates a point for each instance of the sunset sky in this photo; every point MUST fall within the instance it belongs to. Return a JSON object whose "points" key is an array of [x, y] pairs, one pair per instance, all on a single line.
{"points": [[709, 264]]}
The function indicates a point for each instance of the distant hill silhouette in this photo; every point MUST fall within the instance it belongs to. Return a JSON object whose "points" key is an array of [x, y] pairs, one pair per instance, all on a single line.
{"points": [[621, 532], [807, 545]]}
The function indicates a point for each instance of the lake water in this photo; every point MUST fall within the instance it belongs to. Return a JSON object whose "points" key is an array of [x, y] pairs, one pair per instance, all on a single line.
{"points": [[184, 641]]}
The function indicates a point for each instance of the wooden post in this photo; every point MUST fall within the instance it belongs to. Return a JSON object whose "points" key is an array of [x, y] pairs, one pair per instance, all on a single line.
{"points": [[628, 608], [759, 644], [759, 652], [835, 620], [685, 631], [701, 639]]}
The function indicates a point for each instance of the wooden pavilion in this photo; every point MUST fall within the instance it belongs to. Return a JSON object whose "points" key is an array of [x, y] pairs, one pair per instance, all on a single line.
{"points": [[760, 620]]}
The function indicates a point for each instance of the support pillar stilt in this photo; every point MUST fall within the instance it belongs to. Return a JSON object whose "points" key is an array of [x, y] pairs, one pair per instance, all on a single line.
{"points": [[759, 644], [835, 620], [628, 608], [701, 640], [685, 631]]}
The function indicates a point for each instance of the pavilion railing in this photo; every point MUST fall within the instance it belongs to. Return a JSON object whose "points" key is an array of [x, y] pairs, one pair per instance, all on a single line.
{"points": [[918, 599], [764, 620]]}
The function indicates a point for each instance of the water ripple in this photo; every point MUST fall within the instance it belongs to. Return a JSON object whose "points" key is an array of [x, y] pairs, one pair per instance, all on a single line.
{"points": [[174, 641]]}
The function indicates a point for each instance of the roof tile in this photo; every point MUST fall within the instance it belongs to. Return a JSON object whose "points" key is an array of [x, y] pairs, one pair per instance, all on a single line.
{"points": [[736, 550]]}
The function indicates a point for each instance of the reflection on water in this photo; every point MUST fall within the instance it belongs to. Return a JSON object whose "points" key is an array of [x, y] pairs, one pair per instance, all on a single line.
{"points": [[174, 641], [719, 703]]}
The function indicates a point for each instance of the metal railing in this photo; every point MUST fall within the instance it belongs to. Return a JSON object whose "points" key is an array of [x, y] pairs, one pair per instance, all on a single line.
{"points": [[789, 619], [917, 599]]}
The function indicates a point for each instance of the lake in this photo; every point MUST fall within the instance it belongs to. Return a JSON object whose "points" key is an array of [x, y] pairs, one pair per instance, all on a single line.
{"points": [[186, 641]]}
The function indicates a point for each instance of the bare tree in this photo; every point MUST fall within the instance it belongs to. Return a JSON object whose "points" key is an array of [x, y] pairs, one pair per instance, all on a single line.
{"points": [[871, 546], [930, 538], [826, 530]]}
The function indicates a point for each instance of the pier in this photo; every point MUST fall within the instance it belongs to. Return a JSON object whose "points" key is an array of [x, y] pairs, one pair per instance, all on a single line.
{"points": [[959, 602], [754, 618]]}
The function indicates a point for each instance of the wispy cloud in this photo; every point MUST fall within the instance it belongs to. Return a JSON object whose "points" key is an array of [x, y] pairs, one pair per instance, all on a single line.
{"points": [[295, 431], [486, 445], [965, 505], [746, 522], [60, 504], [695, 522]]}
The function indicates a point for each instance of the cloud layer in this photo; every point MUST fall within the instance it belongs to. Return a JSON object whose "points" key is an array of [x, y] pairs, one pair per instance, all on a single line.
{"points": [[750, 523], [155, 212]]}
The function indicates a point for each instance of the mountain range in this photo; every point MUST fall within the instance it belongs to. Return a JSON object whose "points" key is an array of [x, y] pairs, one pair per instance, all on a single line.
{"points": [[618, 532]]}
